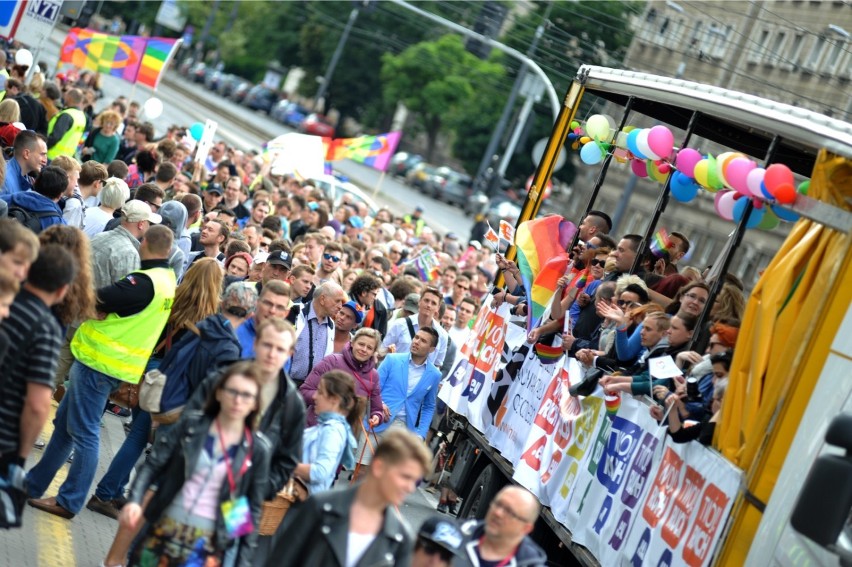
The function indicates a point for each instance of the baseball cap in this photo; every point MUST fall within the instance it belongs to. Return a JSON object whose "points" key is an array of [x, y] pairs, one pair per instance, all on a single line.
{"points": [[138, 211], [418, 209], [214, 188], [359, 315], [356, 221], [281, 258], [260, 258], [412, 302], [444, 533]]}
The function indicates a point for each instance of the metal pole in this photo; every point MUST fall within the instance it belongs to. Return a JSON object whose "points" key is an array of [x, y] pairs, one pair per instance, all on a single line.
{"points": [[326, 79], [514, 53], [621, 208], [516, 135], [737, 238], [663, 199]]}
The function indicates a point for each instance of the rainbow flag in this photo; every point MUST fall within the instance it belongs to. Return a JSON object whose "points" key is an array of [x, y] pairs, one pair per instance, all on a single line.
{"points": [[130, 57], [427, 265], [660, 244], [539, 241], [547, 354], [374, 151]]}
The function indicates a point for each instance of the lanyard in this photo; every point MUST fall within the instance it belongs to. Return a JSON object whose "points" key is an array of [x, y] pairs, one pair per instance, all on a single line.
{"points": [[231, 481], [506, 559]]}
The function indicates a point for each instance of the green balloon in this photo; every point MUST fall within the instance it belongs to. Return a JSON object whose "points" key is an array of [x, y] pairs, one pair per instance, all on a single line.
{"points": [[574, 124], [770, 220], [804, 187]]}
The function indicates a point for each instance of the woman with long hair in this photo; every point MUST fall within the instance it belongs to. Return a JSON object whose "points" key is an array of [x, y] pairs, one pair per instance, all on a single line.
{"points": [[79, 302], [102, 143], [330, 443], [196, 298], [10, 113], [211, 474]]}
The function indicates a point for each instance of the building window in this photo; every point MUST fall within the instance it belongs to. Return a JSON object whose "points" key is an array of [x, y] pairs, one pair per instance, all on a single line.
{"points": [[757, 52], [836, 53], [775, 57], [815, 55], [794, 55]]}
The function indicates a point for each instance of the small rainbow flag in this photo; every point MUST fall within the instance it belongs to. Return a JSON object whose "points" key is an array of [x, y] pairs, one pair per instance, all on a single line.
{"points": [[374, 151], [660, 244], [427, 265], [158, 52], [542, 241], [548, 354]]}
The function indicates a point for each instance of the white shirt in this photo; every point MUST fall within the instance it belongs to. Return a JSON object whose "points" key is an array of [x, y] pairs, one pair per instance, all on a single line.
{"points": [[458, 335], [356, 545], [399, 335]]}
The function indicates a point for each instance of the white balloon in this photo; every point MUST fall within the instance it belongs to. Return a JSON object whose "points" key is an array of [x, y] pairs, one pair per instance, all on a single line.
{"points": [[642, 144], [153, 108], [24, 57]]}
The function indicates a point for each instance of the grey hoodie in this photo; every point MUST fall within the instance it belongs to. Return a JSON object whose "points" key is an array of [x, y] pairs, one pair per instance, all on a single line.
{"points": [[174, 215]]}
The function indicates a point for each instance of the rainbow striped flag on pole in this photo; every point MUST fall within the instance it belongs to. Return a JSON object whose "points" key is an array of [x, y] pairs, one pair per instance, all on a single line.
{"points": [[374, 151], [130, 57]]}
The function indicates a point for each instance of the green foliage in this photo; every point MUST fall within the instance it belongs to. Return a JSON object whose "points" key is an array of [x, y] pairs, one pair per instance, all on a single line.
{"points": [[437, 81]]}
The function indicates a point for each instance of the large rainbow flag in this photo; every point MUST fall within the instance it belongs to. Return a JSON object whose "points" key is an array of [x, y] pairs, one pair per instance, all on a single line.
{"points": [[374, 151], [542, 259], [130, 57]]}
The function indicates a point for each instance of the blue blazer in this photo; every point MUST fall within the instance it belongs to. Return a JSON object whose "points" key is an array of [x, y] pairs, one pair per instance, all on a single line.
{"points": [[393, 379]]}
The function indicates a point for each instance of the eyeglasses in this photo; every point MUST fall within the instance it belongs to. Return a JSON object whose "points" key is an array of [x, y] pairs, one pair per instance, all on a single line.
{"points": [[431, 548], [239, 394], [462, 286], [154, 206], [693, 297], [600, 263], [496, 504], [332, 258], [623, 303]]}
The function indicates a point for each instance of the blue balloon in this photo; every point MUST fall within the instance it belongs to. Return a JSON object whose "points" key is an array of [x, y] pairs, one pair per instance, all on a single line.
{"points": [[196, 131], [753, 219], [591, 153], [631, 144], [784, 214], [682, 187], [765, 191]]}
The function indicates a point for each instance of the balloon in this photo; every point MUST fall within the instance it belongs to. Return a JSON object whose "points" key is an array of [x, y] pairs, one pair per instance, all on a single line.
{"points": [[721, 159], [714, 183], [639, 168], [724, 203], [631, 143], [777, 174], [153, 108], [754, 179], [682, 187], [664, 168], [654, 172], [24, 57], [642, 144], [661, 141], [736, 172], [621, 140], [196, 131], [785, 193], [574, 124], [784, 214], [770, 220], [804, 187], [591, 154], [585, 140], [597, 126], [700, 171], [753, 219], [686, 160]]}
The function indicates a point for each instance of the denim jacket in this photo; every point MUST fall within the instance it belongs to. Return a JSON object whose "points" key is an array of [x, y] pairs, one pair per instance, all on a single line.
{"points": [[328, 444]]}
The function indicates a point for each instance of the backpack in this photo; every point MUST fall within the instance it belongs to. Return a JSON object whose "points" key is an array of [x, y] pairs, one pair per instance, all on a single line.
{"points": [[165, 390], [29, 219]]}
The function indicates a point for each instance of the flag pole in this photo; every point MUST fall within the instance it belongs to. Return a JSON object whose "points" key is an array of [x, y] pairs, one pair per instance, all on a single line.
{"points": [[379, 185]]}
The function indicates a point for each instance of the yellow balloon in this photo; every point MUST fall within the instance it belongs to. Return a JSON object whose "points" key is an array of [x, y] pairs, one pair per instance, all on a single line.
{"points": [[655, 173], [585, 140], [701, 172]]}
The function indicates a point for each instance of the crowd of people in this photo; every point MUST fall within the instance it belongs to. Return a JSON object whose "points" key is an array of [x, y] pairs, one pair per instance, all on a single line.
{"points": [[286, 331]]}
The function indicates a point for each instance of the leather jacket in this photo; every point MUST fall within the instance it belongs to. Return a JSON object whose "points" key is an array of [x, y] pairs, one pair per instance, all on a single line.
{"points": [[316, 533], [172, 461], [283, 425]]}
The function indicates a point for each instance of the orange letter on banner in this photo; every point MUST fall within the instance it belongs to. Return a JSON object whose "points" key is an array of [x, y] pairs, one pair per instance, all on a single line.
{"points": [[664, 485], [687, 497], [698, 544]]}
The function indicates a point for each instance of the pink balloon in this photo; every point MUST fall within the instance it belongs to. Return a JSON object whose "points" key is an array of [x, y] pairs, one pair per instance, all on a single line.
{"points": [[686, 160], [661, 141], [724, 204], [639, 168], [737, 174], [753, 180]]}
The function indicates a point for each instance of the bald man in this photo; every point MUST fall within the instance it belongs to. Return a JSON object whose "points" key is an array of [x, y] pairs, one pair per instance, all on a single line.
{"points": [[504, 535]]}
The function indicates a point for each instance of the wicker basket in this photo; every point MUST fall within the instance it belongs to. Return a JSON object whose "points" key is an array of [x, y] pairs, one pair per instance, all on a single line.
{"points": [[273, 511]]}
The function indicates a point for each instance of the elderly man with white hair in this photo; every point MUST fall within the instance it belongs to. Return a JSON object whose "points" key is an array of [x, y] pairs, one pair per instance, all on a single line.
{"points": [[315, 329]]}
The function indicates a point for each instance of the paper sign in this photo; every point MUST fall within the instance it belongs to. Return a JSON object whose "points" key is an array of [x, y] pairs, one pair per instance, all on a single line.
{"points": [[663, 367]]}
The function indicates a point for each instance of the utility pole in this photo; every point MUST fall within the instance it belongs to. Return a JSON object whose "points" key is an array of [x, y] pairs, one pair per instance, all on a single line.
{"points": [[490, 156], [319, 99]]}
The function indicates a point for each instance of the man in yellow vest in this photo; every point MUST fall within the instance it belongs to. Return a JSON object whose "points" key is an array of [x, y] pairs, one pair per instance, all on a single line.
{"points": [[109, 351], [415, 220], [65, 130]]}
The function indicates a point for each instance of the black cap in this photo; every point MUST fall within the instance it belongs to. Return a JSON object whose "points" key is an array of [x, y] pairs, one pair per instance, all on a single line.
{"points": [[214, 188], [444, 533], [281, 258]]}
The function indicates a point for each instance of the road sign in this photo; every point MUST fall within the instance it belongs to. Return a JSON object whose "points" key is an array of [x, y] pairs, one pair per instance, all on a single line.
{"points": [[538, 152], [10, 16], [169, 15], [39, 19]]}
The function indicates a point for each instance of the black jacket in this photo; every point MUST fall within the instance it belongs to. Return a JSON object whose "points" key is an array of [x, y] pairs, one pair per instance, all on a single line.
{"points": [[529, 554], [219, 346], [316, 532], [380, 319], [172, 461], [283, 425]]}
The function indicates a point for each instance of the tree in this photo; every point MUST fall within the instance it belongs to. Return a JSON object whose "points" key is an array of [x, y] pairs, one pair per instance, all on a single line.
{"points": [[437, 81]]}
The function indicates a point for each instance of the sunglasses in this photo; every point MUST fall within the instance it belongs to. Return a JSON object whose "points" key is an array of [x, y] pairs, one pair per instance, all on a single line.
{"points": [[600, 263], [623, 303], [332, 258]]}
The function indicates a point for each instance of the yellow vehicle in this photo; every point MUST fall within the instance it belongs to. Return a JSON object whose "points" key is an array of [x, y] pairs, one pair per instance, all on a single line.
{"points": [[787, 417]]}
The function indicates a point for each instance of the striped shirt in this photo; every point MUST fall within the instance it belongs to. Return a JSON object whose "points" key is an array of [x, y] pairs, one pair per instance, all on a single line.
{"points": [[34, 342]]}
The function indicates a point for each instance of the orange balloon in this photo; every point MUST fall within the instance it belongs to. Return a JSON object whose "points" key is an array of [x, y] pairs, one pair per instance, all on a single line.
{"points": [[785, 193]]}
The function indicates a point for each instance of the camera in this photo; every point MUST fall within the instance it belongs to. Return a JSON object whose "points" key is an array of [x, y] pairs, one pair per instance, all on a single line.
{"points": [[692, 393]]}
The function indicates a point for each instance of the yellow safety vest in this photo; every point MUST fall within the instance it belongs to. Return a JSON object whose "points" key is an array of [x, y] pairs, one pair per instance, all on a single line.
{"points": [[3, 73], [67, 144], [419, 224], [121, 346]]}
